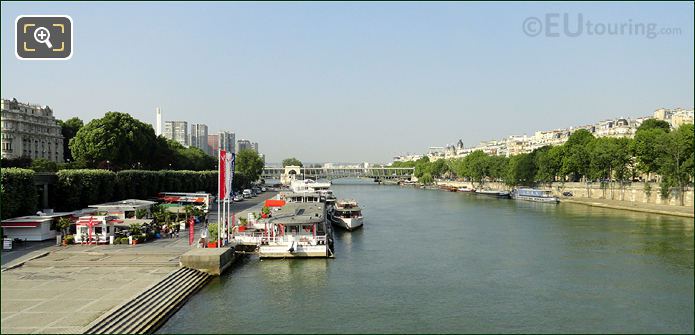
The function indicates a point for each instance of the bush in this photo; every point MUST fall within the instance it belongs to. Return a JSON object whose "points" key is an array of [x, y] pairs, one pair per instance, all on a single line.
{"points": [[19, 195], [81, 188], [212, 232], [70, 239], [44, 165]]}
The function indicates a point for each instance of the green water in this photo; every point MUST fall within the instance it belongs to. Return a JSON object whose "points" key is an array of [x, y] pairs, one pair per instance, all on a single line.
{"points": [[433, 261]]}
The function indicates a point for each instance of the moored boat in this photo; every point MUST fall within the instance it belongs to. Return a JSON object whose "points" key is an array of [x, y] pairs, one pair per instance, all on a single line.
{"points": [[532, 194], [466, 189], [298, 229], [493, 193], [347, 214]]}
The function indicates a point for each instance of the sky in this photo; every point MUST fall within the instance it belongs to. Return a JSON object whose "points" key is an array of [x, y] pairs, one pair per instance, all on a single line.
{"points": [[356, 82]]}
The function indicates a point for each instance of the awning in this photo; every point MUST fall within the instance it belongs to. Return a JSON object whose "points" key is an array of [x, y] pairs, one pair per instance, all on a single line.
{"points": [[20, 224]]}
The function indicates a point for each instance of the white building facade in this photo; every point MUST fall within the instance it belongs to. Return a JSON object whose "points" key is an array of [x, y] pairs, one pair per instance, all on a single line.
{"points": [[30, 130]]}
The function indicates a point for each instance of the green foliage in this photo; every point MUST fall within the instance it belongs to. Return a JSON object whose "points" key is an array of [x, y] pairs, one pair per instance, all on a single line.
{"points": [[80, 188], [212, 232], [44, 165], [291, 162], [69, 129], [21, 162], [576, 161], [19, 195], [141, 213], [646, 147], [426, 179], [135, 229], [63, 225], [654, 124], [117, 139], [249, 163], [521, 170], [675, 160], [549, 164]]}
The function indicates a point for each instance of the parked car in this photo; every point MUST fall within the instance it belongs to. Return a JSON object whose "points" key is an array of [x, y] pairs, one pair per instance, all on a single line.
{"points": [[567, 194], [263, 189], [247, 193], [238, 197]]}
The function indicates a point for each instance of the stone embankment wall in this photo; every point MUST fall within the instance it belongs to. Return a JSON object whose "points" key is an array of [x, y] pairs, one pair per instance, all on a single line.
{"points": [[634, 192]]}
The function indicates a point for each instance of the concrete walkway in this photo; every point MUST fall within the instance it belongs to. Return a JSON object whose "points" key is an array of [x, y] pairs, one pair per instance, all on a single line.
{"points": [[55, 289], [68, 288], [683, 211]]}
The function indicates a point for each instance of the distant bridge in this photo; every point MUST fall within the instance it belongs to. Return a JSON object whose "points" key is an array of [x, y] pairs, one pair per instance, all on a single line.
{"points": [[376, 173]]}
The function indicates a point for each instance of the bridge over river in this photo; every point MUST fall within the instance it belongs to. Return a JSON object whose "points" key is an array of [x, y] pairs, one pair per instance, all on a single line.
{"points": [[376, 173]]}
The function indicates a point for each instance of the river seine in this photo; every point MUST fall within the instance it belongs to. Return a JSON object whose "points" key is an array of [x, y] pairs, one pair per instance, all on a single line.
{"points": [[434, 261]]}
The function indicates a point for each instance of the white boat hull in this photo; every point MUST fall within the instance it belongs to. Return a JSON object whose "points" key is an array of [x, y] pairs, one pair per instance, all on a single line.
{"points": [[349, 224], [554, 200]]}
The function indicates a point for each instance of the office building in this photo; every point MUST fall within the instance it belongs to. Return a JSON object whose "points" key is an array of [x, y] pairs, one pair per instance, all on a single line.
{"points": [[199, 137], [177, 131]]}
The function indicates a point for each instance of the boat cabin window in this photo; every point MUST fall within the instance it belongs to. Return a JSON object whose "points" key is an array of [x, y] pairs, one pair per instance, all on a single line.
{"points": [[129, 214]]}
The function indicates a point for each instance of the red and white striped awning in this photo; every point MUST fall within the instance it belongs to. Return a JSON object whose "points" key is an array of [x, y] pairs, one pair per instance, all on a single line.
{"points": [[26, 224]]}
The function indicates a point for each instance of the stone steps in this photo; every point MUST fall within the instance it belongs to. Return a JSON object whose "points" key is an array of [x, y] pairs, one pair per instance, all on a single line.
{"points": [[146, 312]]}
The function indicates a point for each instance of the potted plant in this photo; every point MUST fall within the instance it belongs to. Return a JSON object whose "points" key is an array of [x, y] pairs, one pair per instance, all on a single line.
{"points": [[242, 224], [265, 212], [70, 239], [212, 235], [62, 225]]}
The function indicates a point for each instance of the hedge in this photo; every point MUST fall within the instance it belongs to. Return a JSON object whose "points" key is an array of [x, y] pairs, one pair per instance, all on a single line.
{"points": [[77, 189], [19, 195], [80, 188]]}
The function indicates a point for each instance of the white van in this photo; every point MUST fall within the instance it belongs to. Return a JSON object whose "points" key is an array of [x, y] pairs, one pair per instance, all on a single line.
{"points": [[247, 193]]}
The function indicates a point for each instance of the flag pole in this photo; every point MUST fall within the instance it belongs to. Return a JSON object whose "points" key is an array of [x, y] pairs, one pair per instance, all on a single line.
{"points": [[219, 186]]}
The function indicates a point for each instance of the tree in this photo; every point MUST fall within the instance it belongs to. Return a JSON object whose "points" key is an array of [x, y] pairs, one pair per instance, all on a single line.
{"points": [[63, 225], [646, 148], [676, 159], [476, 166], [655, 124], [575, 161], [549, 164], [291, 162], [69, 129], [44, 165], [521, 170], [117, 139], [249, 163]]}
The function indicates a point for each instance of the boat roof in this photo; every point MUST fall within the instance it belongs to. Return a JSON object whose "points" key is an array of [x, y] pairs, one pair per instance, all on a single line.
{"points": [[125, 204], [296, 213]]}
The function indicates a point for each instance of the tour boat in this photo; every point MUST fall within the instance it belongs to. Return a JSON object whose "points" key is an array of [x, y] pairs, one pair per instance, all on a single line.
{"points": [[493, 193], [347, 214], [532, 194], [297, 229], [465, 189]]}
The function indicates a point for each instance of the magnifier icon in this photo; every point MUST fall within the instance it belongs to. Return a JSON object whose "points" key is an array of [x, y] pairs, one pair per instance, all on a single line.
{"points": [[42, 35]]}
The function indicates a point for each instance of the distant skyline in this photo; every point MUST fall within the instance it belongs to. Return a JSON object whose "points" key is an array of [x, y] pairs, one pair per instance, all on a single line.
{"points": [[353, 82]]}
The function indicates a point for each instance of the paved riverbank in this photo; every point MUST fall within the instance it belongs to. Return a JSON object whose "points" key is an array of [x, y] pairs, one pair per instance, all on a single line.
{"points": [[683, 211], [51, 289]]}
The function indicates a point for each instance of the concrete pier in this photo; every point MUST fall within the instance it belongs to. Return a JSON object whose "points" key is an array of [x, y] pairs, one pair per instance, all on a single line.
{"points": [[213, 261]]}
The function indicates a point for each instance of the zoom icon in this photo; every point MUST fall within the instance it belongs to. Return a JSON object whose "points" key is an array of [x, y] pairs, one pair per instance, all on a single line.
{"points": [[42, 37]]}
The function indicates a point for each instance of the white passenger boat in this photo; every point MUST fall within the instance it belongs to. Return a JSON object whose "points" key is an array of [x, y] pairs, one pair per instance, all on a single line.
{"points": [[297, 230], [532, 194], [347, 214]]}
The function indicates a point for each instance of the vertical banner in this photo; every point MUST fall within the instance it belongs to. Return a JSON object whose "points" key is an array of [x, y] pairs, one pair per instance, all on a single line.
{"points": [[191, 230], [229, 174], [221, 193], [222, 182]]}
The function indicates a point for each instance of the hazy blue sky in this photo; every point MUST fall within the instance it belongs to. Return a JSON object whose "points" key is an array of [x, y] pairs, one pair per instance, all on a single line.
{"points": [[355, 81]]}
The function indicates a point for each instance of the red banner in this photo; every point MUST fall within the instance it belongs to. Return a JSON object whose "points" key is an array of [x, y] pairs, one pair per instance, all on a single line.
{"points": [[191, 230], [222, 169]]}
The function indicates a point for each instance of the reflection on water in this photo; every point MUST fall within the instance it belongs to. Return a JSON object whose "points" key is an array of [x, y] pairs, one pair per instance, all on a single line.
{"points": [[432, 261]]}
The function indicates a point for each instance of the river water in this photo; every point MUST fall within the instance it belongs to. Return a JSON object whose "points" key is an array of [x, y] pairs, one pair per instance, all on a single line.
{"points": [[433, 261]]}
